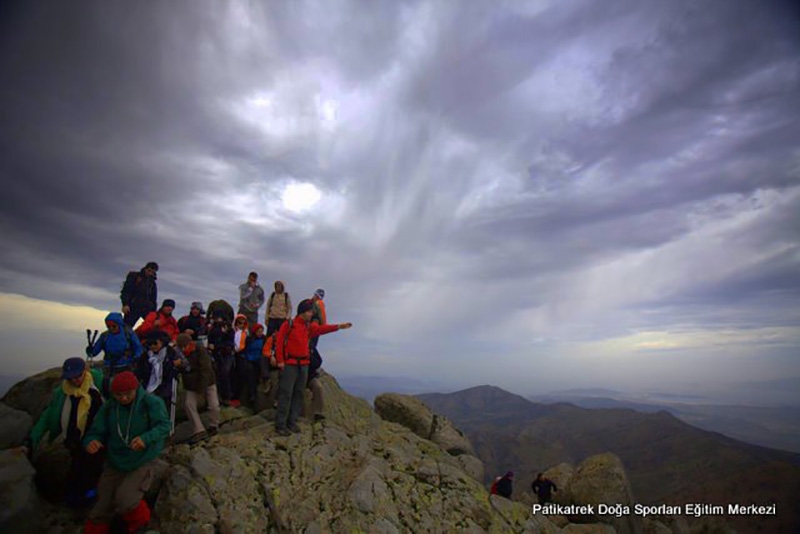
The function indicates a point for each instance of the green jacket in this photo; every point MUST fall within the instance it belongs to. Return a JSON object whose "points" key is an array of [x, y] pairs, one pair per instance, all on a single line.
{"points": [[113, 425], [50, 420]]}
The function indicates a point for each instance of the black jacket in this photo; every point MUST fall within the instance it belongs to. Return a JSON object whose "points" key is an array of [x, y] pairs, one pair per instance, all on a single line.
{"points": [[543, 487], [169, 373], [505, 487], [140, 292]]}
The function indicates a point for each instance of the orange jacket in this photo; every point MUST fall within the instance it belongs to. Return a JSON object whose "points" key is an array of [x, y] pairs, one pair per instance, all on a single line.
{"points": [[168, 325], [296, 346]]}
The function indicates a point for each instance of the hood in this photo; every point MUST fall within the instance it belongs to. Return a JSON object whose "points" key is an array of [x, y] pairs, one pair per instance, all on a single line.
{"points": [[282, 285], [116, 317], [255, 327], [241, 316]]}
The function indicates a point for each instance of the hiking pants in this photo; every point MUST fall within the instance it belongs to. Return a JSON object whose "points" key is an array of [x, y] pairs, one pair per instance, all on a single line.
{"points": [[119, 492], [252, 317], [290, 394], [134, 315], [273, 325], [213, 408], [84, 471], [225, 366], [317, 401], [249, 374]]}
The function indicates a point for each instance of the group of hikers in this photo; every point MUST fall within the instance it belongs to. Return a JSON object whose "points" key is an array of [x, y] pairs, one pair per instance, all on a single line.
{"points": [[115, 418], [541, 486]]}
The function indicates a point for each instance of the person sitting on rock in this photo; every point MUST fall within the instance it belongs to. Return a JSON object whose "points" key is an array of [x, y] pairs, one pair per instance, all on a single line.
{"points": [[159, 370], [249, 378], [542, 487], [220, 346], [292, 355], [503, 486], [199, 382], [72, 409], [131, 427], [120, 347], [160, 320], [194, 324]]}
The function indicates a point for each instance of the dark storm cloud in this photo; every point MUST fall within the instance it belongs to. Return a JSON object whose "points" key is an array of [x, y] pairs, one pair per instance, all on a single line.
{"points": [[596, 168]]}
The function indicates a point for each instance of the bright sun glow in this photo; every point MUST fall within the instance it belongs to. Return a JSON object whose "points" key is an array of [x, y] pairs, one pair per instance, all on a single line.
{"points": [[300, 197]]}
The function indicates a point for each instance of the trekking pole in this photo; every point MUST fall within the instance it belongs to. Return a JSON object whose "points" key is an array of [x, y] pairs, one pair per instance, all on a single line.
{"points": [[90, 340], [173, 404]]}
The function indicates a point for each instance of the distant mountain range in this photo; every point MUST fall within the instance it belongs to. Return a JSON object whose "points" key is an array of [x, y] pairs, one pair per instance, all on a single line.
{"points": [[774, 427], [667, 460]]}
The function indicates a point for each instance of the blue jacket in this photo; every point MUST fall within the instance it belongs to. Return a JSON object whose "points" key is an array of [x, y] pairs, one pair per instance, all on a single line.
{"points": [[253, 349], [121, 349]]}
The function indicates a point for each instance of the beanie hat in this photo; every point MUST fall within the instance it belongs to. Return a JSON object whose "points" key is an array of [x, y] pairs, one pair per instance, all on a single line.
{"points": [[157, 335], [198, 305], [510, 474], [125, 381], [183, 340], [73, 368], [304, 306], [168, 302], [151, 265], [320, 293], [255, 326]]}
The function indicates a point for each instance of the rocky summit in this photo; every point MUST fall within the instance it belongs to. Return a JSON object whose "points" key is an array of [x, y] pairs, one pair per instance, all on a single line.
{"points": [[405, 470]]}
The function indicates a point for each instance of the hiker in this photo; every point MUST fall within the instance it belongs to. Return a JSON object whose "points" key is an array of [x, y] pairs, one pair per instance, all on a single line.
{"points": [[131, 427], [250, 372], [139, 293], [200, 382], [314, 384], [160, 320], [120, 347], [241, 333], [72, 409], [292, 356], [220, 309], [279, 308], [251, 298], [542, 487], [194, 324], [159, 370], [270, 373], [503, 486], [220, 346]]}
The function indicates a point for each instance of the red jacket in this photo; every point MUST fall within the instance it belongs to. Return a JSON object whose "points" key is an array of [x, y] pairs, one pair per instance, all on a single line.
{"points": [[297, 344], [168, 325]]}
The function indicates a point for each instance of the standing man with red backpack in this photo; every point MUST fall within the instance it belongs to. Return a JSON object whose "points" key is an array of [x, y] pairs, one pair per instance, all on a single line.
{"points": [[139, 293]]}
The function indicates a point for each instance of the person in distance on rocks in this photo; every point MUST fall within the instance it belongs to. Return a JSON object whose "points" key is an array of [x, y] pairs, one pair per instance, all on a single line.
{"points": [[72, 409], [542, 488], [292, 355], [503, 486], [131, 427]]}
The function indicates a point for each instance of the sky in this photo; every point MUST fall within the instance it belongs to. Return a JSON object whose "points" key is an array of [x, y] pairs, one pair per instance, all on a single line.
{"points": [[536, 195]]}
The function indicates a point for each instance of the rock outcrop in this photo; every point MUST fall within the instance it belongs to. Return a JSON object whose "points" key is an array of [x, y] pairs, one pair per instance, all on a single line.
{"points": [[407, 470], [15, 424]]}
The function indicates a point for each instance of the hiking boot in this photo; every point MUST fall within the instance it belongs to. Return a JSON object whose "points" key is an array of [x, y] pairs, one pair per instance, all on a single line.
{"points": [[197, 438], [213, 431], [294, 429], [319, 417], [282, 431]]}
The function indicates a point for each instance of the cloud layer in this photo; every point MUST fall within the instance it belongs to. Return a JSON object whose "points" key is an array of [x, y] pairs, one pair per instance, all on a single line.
{"points": [[515, 182]]}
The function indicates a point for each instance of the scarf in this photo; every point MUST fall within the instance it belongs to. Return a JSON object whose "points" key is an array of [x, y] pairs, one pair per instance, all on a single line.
{"points": [[84, 404], [156, 361]]}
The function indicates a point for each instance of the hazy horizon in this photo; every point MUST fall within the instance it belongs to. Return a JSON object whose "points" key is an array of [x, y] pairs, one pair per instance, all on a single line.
{"points": [[539, 195]]}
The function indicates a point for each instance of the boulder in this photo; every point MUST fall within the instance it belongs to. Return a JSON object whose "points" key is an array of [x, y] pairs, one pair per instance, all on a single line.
{"points": [[18, 500], [15, 424], [601, 479], [561, 475], [413, 414], [32, 395], [471, 466]]}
